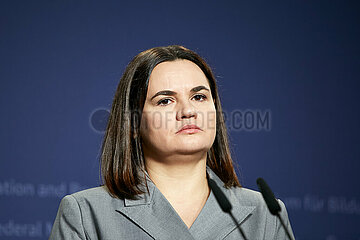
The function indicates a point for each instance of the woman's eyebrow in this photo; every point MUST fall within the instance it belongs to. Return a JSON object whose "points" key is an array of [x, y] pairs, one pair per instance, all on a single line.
{"points": [[199, 88], [172, 93], [164, 92]]}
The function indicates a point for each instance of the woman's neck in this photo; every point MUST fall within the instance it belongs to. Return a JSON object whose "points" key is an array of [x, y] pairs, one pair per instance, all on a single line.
{"points": [[179, 178], [184, 185]]}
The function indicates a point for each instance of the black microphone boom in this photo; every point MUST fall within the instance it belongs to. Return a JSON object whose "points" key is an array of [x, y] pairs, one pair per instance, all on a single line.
{"points": [[224, 203], [271, 202], [220, 197], [269, 197]]}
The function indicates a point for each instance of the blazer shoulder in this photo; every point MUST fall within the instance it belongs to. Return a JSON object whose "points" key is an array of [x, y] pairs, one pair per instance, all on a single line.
{"points": [[252, 197], [248, 196], [261, 215], [87, 213], [95, 196], [91, 192]]}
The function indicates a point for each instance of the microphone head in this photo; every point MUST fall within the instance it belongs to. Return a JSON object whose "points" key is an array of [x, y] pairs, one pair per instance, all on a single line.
{"points": [[220, 196], [268, 195]]}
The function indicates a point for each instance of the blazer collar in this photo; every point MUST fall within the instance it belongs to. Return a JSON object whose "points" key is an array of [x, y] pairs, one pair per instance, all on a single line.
{"points": [[212, 222], [155, 215]]}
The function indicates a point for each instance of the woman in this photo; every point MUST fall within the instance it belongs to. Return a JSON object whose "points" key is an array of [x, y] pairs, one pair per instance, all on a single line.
{"points": [[165, 137]]}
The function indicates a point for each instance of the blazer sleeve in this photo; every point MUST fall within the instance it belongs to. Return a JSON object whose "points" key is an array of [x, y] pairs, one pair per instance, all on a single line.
{"points": [[68, 222], [280, 232]]}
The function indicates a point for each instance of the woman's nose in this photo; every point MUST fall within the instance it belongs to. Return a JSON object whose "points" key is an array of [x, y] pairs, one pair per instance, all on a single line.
{"points": [[186, 110]]}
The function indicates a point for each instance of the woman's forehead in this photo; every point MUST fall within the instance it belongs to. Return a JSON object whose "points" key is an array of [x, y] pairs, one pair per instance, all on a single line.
{"points": [[179, 75]]}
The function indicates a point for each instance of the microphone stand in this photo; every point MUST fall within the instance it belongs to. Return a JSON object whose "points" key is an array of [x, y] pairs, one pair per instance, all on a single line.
{"points": [[272, 203], [238, 226], [224, 204]]}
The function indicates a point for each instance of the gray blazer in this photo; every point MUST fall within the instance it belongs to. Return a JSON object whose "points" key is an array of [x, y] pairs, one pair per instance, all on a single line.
{"points": [[94, 214]]}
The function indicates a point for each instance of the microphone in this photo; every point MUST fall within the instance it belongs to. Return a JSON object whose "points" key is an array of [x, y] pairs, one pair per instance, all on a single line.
{"points": [[224, 203], [271, 202]]}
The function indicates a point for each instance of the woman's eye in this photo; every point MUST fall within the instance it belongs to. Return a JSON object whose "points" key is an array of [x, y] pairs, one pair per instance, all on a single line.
{"points": [[164, 102], [199, 97]]}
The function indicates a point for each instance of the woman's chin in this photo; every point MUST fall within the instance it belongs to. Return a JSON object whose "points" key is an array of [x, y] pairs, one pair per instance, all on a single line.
{"points": [[190, 149]]}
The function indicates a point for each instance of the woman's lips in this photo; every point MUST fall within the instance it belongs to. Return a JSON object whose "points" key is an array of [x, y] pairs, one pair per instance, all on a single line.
{"points": [[189, 129]]}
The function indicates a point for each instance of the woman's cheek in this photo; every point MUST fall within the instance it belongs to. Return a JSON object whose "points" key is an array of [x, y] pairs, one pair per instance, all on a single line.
{"points": [[152, 120], [211, 120]]}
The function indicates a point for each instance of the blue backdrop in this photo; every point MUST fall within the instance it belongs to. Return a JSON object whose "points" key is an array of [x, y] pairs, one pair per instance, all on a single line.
{"points": [[295, 62]]}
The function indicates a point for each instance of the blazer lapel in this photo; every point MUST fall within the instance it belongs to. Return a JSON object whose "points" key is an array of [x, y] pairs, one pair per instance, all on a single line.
{"points": [[155, 215], [212, 222]]}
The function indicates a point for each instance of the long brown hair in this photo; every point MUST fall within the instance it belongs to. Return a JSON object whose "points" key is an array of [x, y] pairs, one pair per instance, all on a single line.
{"points": [[122, 159]]}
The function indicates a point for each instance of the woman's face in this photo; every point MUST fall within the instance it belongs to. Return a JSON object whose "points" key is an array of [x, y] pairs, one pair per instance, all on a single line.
{"points": [[178, 97]]}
